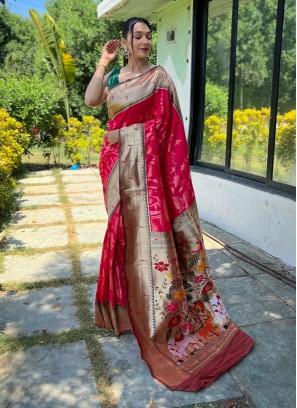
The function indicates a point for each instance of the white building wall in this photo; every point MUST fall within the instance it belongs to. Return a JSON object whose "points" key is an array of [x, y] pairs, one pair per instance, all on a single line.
{"points": [[175, 56], [263, 219]]}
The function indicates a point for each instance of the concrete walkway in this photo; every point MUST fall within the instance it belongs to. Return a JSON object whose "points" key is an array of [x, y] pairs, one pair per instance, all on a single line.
{"points": [[53, 356]]}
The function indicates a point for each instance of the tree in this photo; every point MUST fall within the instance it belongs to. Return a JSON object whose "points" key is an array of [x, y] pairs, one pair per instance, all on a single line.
{"points": [[17, 43], [218, 49], [254, 53], [20, 49], [216, 100], [287, 93], [62, 63]]}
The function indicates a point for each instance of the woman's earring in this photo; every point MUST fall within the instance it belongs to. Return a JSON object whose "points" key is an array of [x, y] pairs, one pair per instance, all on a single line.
{"points": [[126, 53]]}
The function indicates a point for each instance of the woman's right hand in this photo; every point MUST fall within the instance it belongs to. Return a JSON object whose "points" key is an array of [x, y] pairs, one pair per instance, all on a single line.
{"points": [[110, 50]]}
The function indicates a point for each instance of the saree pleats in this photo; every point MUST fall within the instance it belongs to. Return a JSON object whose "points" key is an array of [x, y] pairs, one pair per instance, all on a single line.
{"points": [[154, 274]]}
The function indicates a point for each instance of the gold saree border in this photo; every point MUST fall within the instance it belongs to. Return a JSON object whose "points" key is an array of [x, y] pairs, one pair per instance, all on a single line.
{"points": [[129, 93], [112, 318], [138, 263], [112, 190]]}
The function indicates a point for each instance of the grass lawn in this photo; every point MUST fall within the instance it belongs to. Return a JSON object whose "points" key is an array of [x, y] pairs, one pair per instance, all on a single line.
{"points": [[57, 157]]}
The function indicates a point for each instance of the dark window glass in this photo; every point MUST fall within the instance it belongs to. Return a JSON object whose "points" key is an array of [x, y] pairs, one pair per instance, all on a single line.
{"points": [[253, 84], [217, 82], [284, 169]]}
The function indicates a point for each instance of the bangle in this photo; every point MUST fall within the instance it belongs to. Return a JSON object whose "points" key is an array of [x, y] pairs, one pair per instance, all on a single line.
{"points": [[101, 65]]}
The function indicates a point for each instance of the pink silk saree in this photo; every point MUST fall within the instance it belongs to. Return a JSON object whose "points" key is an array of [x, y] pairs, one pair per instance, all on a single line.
{"points": [[154, 277]]}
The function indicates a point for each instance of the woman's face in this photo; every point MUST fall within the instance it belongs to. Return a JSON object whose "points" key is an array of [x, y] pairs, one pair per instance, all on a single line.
{"points": [[142, 41]]}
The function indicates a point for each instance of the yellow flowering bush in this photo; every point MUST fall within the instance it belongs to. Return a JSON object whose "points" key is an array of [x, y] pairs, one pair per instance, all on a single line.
{"points": [[250, 135], [13, 143], [54, 135], [285, 145], [73, 140], [82, 138], [214, 139]]}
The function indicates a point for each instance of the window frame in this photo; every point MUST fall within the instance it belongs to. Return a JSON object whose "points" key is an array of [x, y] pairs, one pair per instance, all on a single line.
{"points": [[197, 97]]}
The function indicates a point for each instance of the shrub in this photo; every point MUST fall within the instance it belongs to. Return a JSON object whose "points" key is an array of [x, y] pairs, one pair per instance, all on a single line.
{"points": [[32, 101], [286, 139], [13, 142], [82, 138]]}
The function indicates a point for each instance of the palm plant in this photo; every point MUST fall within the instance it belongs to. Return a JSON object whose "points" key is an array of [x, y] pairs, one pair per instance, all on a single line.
{"points": [[61, 62]]}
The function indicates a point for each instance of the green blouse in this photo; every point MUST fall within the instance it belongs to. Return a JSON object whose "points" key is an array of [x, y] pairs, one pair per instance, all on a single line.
{"points": [[114, 78]]}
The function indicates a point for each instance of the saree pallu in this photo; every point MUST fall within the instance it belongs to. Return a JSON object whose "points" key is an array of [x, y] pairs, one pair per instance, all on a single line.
{"points": [[154, 276]]}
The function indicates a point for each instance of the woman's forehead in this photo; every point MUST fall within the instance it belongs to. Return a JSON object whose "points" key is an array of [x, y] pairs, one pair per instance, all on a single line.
{"points": [[141, 27]]}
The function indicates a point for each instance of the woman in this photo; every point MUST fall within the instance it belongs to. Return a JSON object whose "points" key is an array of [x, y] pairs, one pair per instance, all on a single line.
{"points": [[154, 277]]}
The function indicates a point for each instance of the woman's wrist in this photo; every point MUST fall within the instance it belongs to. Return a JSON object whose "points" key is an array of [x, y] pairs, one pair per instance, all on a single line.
{"points": [[102, 63], [101, 67]]}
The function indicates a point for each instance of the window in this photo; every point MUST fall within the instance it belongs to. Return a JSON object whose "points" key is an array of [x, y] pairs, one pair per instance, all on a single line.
{"points": [[253, 84], [217, 84], [246, 80], [284, 169]]}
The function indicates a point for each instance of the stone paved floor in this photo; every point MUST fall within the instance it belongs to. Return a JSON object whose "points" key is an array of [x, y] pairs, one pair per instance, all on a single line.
{"points": [[52, 250]]}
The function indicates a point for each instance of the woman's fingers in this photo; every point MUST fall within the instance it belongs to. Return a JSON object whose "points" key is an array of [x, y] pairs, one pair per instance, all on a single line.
{"points": [[112, 45]]}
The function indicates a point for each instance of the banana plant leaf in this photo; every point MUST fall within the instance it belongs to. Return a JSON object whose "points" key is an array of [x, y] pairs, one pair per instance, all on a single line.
{"points": [[62, 62]]}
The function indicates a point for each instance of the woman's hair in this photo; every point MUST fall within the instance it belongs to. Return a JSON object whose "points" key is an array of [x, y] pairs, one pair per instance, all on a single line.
{"points": [[128, 27]]}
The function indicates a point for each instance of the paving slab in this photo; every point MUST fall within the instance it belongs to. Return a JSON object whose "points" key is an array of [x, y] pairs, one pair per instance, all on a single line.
{"points": [[38, 180], [84, 171], [245, 265], [39, 216], [91, 233], [90, 262], [281, 289], [28, 312], [28, 201], [48, 189], [39, 173], [81, 187], [268, 372], [38, 267], [250, 302], [76, 178], [39, 237], [86, 198], [89, 213], [134, 386], [48, 377], [222, 266], [265, 259]]}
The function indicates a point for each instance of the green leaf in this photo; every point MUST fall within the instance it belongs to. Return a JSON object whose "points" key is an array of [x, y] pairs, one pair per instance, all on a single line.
{"points": [[63, 63], [46, 36]]}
